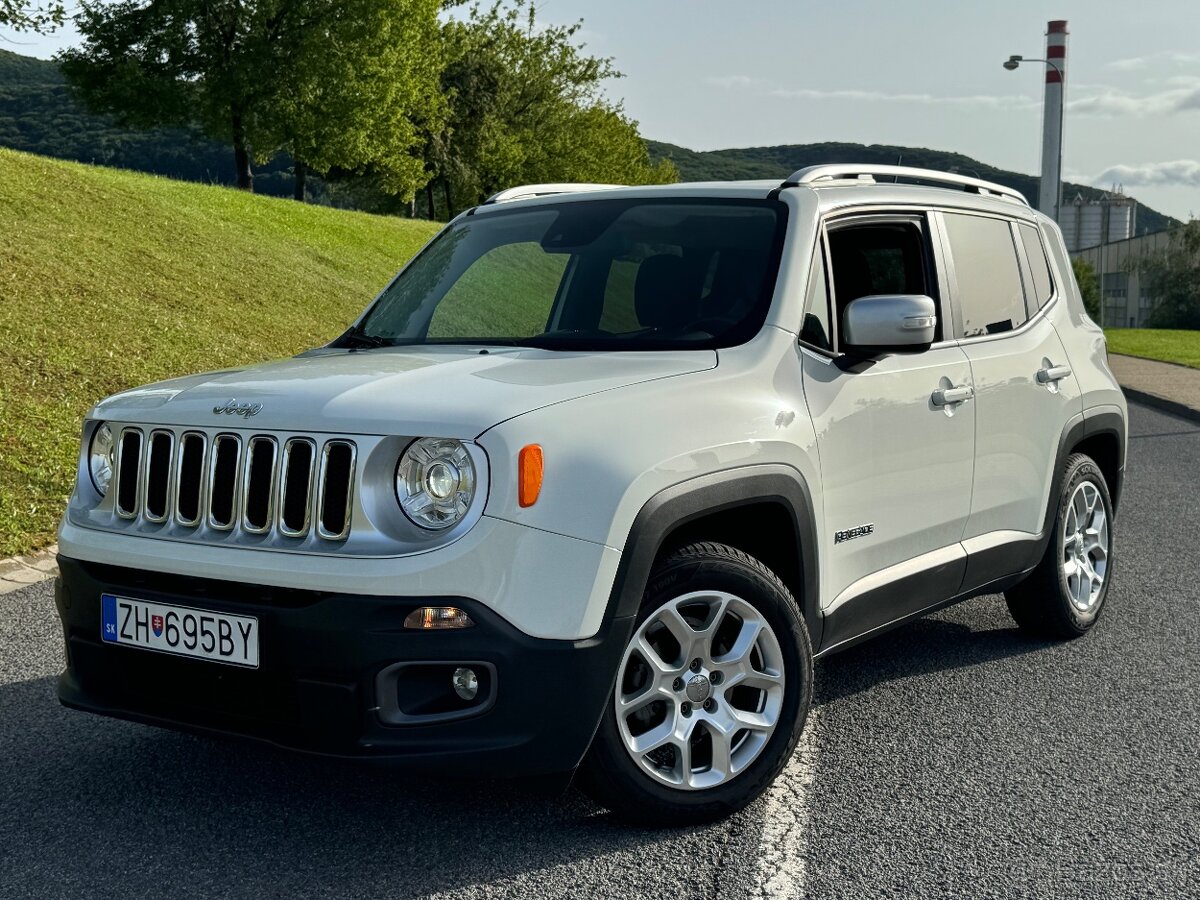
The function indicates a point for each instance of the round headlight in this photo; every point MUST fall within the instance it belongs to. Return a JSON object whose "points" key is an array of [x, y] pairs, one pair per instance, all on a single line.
{"points": [[435, 482], [100, 458]]}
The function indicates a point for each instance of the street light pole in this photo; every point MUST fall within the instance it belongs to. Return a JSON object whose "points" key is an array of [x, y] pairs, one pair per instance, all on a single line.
{"points": [[1011, 64]]}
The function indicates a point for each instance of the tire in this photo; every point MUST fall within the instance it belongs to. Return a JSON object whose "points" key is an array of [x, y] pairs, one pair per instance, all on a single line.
{"points": [[1052, 601], [722, 596]]}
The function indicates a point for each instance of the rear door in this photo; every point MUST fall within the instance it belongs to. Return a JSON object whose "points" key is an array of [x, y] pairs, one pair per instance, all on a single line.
{"points": [[1025, 391], [895, 465]]}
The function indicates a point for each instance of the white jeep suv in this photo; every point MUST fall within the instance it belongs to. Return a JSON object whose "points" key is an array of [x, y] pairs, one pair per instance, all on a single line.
{"points": [[597, 476]]}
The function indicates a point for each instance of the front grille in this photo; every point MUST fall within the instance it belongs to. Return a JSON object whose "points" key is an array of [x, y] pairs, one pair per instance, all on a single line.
{"points": [[233, 483]]}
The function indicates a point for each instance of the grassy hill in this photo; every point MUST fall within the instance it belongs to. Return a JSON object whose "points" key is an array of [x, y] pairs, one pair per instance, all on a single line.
{"points": [[779, 162], [110, 279]]}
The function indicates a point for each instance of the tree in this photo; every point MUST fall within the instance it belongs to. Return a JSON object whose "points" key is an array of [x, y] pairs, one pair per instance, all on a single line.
{"points": [[316, 76], [21, 16], [526, 105], [347, 96], [1089, 287], [1171, 278]]}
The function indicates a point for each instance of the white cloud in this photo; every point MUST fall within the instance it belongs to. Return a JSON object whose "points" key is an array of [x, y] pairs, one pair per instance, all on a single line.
{"points": [[1118, 103], [1135, 63], [1175, 173], [731, 81], [988, 101], [1130, 64]]}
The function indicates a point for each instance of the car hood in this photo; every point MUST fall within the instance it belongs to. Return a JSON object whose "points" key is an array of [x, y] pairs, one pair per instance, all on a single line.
{"points": [[437, 391]]}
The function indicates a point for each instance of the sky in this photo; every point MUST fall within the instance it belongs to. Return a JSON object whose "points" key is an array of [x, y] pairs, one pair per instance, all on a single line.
{"points": [[927, 73]]}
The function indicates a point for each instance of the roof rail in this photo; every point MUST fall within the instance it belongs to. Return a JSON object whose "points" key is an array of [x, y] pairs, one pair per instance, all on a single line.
{"points": [[849, 172], [528, 191]]}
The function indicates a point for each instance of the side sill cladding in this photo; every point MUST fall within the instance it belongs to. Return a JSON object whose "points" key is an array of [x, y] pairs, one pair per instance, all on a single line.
{"points": [[706, 495]]}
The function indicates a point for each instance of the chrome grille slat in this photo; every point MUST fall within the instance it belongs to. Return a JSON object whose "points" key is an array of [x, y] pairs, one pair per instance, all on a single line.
{"points": [[216, 483], [224, 476], [255, 481], [335, 488], [183, 479], [129, 453], [157, 476], [300, 494]]}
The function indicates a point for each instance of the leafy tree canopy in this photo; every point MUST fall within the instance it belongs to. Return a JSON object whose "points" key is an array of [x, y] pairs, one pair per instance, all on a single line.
{"points": [[40, 18], [1089, 287], [324, 78], [527, 105], [1172, 279]]}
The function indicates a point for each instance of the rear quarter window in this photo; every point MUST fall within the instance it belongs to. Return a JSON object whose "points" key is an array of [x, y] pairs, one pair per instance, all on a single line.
{"points": [[1039, 265]]}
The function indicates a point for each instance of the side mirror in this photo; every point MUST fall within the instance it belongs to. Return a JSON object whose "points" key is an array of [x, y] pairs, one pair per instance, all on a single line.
{"points": [[899, 323]]}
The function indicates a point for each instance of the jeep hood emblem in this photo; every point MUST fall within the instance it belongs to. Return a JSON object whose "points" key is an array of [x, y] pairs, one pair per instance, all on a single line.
{"points": [[232, 408]]}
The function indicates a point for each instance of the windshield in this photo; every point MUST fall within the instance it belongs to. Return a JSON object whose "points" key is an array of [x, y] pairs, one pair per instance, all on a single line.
{"points": [[594, 274]]}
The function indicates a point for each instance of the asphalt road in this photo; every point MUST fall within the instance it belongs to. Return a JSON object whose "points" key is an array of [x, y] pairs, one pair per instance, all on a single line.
{"points": [[952, 757]]}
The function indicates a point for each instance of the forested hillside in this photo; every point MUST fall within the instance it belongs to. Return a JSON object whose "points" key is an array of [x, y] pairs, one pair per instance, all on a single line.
{"points": [[38, 115], [779, 162]]}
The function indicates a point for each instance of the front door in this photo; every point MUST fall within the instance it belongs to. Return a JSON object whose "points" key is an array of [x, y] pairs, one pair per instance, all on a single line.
{"points": [[896, 441]]}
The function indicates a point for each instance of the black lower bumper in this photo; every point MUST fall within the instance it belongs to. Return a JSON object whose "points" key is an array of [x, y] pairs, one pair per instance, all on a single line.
{"points": [[320, 656]]}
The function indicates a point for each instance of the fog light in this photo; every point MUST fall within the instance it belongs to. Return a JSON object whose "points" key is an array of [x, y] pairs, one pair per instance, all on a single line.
{"points": [[428, 618], [466, 685]]}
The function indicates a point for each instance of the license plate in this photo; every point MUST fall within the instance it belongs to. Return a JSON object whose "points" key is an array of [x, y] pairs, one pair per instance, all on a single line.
{"points": [[181, 630]]}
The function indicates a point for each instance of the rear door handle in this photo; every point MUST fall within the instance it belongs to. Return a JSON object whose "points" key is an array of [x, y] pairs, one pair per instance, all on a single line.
{"points": [[946, 396], [1052, 374]]}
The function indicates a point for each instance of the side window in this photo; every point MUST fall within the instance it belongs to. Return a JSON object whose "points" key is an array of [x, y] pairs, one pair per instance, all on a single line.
{"points": [[988, 275], [877, 258], [815, 329], [507, 292], [1040, 266]]}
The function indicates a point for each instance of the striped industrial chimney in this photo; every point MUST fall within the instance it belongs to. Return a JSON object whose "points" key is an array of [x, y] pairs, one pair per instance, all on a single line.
{"points": [[1050, 192]]}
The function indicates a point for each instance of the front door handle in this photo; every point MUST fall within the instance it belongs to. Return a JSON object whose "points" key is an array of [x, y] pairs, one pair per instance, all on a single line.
{"points": [[1050, 374], [946, 396]]}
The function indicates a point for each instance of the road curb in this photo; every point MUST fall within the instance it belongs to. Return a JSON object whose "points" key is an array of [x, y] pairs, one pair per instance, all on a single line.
{"points": [[1162, 404], [18, 572]]}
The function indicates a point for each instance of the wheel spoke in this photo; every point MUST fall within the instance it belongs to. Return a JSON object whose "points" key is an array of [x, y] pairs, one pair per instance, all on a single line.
{"points": [[656, 737], [684, 633], [746, 676], [683, 750], [1083, 587], [744, 643], [629, 705], [706, 634], [652, 657], [722, 750]]}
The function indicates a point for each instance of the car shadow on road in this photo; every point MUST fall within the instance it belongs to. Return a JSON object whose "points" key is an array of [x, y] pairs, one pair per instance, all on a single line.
{"points": [[101, 808], [923, 647]]}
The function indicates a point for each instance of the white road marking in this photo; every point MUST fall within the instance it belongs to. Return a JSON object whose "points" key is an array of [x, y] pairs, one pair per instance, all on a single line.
{"points": [[783, 844]]}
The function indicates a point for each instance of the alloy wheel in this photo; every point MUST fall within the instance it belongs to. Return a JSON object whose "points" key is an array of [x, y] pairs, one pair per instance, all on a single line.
{"points": [[700, 690], [1085, 546]]}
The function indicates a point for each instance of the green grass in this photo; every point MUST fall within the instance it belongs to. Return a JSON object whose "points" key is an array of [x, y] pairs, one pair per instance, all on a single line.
{"points": [[1181, 347], [110, 279]]}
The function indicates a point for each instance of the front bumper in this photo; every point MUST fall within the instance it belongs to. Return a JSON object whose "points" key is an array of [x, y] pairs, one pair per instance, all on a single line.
{"points": [[316, 687]]}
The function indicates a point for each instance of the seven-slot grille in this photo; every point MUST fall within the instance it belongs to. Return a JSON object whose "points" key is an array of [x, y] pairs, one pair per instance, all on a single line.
{"points": [[255, 484]]}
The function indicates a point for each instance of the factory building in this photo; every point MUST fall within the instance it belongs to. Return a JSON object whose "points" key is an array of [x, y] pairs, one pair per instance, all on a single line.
{"points": [[1125, 303]]}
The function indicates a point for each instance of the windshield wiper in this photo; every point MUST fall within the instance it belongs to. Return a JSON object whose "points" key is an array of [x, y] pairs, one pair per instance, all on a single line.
{"points": [[356, 339]]}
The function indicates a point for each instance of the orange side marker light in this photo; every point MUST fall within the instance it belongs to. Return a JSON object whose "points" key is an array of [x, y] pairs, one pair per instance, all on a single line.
{"points": [[529, 471]]}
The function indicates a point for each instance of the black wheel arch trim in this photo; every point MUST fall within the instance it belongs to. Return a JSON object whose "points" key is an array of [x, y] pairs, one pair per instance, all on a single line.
{"points": [[1092, 423], [713, 493]]}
